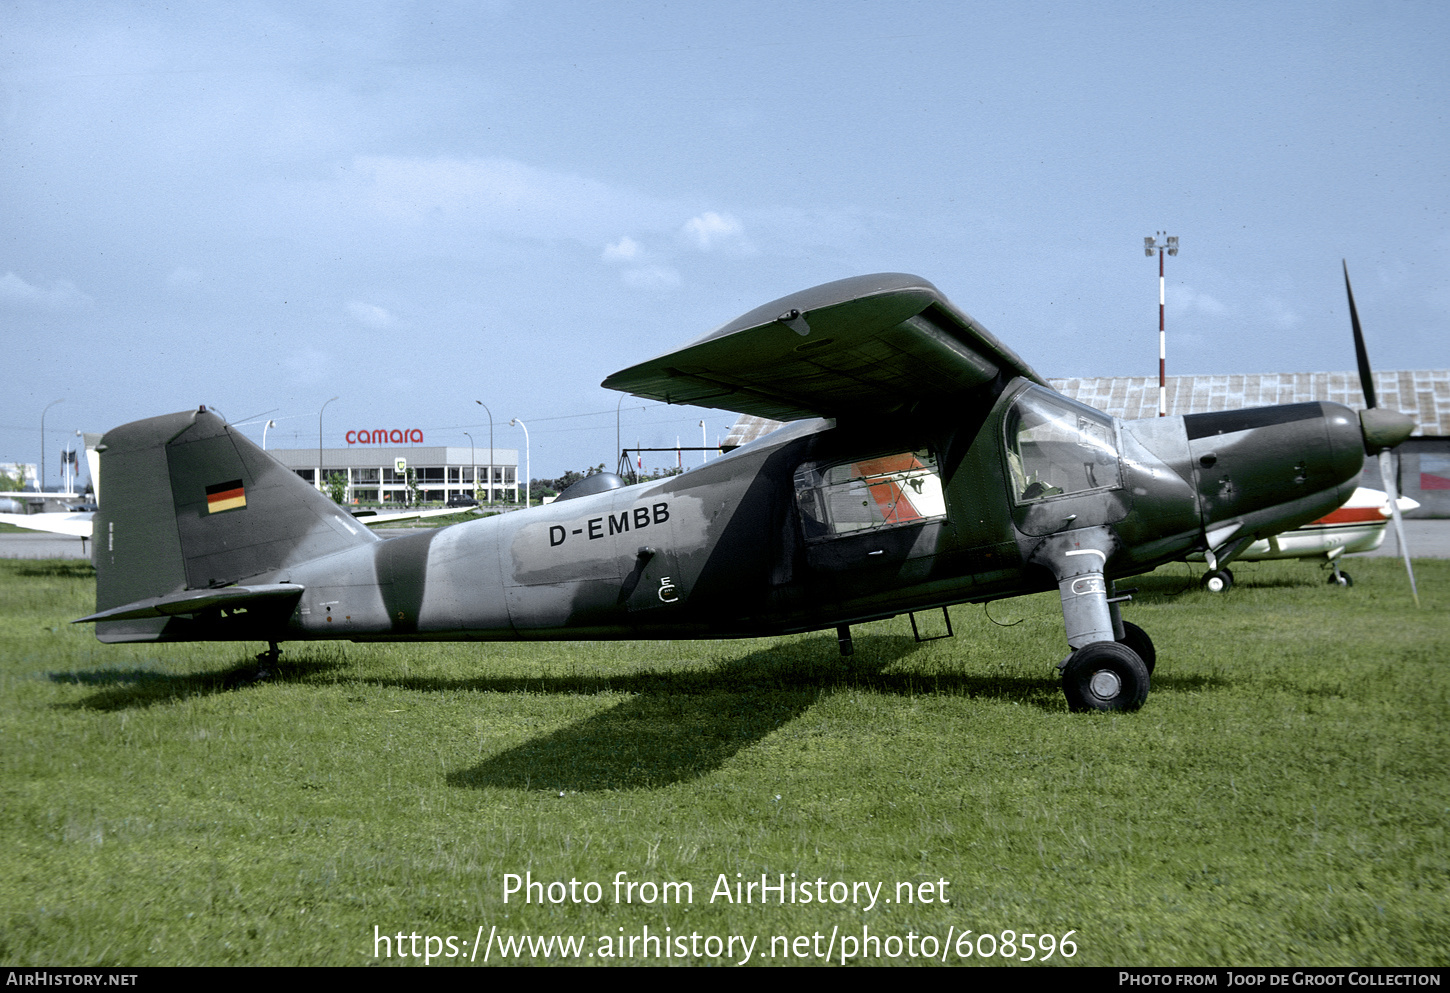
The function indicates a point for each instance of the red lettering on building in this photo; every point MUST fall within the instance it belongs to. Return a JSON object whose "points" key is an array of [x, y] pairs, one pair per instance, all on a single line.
{"points": [[385, 436]]}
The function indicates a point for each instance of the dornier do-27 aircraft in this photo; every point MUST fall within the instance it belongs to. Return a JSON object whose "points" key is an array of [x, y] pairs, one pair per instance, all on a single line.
{"points": [[928, 465]]}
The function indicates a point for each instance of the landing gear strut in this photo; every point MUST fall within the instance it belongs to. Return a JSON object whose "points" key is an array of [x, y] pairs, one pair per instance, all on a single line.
{"points": [[267, 661], [1338, 578], [1111, 659]]}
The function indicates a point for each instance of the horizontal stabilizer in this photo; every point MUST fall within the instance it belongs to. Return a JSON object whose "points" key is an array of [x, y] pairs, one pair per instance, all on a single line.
{"points": [[192, 601]]}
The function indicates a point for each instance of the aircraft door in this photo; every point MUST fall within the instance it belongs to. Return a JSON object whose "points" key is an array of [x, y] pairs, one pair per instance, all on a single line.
{"points": [[1063, 465], [870, 516]]}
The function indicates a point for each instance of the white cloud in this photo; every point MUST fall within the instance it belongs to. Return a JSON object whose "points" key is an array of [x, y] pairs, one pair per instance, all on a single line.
{"points": [[1280, 314], [311, 365], [626, 249], [651, 277], [501, 195], [182, 277], [1183, 299], [710, 230], [61, 295], [370, 315]]}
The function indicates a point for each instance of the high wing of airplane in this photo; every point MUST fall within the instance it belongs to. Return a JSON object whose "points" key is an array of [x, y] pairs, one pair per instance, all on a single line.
{"points": [[931, 467]]}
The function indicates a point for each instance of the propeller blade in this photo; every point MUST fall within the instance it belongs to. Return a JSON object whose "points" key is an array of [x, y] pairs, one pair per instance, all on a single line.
{"points": [[1387, 475], [1366, 377]]}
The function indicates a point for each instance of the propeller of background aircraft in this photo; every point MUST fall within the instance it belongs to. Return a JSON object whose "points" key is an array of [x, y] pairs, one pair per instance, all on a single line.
{"points": [[1383, 430]]}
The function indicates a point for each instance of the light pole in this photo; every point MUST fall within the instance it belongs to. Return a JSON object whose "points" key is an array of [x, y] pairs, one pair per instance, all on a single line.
{"points": [[472, 467], [40, 483], [704, 451], [1169, 244], [319, 446], [269, 424], [618, 442], [490, 447], [528, 464]]}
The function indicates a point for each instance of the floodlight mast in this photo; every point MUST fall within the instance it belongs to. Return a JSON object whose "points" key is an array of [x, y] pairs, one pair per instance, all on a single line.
{"points": [[1169, 244]]}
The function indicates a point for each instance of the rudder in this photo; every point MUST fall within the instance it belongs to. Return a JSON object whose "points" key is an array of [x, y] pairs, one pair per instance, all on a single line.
{"points": [[192, 504]]}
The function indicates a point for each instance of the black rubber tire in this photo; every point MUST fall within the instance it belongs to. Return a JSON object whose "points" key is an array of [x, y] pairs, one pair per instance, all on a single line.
{"points": [[1105, 675], [1342, 579], [1217, 581], [1137, 639]]}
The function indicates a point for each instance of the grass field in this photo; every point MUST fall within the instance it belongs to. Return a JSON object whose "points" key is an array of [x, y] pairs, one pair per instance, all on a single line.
{"points": [[1281, 799]]}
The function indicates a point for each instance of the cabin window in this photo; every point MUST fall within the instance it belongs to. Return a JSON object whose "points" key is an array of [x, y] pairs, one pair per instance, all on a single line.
{"points": [[1056, 448], [869, 494]]}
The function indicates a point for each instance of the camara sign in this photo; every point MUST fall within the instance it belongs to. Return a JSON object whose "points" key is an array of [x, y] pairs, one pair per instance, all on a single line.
{"points": [[385, 436]]}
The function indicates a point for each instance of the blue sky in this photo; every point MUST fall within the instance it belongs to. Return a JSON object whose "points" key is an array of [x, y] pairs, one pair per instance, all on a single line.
{"points": [[258, 206]]}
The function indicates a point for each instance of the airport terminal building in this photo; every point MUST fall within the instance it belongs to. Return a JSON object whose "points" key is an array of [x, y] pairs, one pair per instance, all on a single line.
{"points": [[379, 474]]}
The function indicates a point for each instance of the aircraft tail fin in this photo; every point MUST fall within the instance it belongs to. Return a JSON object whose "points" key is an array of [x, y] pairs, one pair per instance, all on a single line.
{"points": [[191, 504]]}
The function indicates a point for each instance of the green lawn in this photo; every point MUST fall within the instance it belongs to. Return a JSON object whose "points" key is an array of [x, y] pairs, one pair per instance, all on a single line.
{"points": [[1281, 799]]}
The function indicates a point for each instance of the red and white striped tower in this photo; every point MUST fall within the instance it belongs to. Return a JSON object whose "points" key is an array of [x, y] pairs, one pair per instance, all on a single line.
{"points": [[1169, 244]]}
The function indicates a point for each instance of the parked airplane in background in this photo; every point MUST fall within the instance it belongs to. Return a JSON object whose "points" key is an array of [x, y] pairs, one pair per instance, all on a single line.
{"points": [[933, 467], [81, 525], [1358, 526]]}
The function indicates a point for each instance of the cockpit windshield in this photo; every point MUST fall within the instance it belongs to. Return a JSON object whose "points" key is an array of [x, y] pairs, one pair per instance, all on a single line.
{"points": [[1056, 447]]}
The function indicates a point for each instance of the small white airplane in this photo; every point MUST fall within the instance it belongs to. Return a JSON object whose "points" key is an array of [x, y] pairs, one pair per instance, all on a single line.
{"points": [[78, 523], [1357, 526]]}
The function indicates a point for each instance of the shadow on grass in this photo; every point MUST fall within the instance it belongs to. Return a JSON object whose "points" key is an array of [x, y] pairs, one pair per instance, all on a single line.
{"points": [[128, 688], [1164, 586], [55, 569], [677, 725], [682, 725]]}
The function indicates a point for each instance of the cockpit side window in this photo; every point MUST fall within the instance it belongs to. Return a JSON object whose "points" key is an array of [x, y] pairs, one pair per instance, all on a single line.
{"points": [[1057, 448], [854, 497]]}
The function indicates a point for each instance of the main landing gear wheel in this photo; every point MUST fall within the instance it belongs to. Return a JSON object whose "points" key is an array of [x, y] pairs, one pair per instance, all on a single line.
{"points": [[1340, 578], [1137, 639], [1217, 581], [1105, 675]]}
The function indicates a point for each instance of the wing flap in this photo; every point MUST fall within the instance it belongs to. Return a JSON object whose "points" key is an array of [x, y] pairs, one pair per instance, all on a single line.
{"points": [[872, 343]]}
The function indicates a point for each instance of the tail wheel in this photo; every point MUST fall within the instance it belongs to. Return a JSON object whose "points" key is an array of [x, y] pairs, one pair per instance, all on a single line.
{"points": [[1105, 675], [1137, 639]]}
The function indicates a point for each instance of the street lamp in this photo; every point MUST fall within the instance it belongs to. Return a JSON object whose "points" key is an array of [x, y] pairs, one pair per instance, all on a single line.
{"points": [[269, 424], [528, 465], [40, 483], [472, 467], [490, 448], [1169, 244], [319, 445]]}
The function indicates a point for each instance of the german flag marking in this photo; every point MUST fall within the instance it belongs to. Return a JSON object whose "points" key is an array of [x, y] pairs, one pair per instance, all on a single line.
{"points": [[230, 495]]}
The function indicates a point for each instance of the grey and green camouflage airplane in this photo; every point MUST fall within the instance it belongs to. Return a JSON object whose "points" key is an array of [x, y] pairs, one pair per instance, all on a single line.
{"points": [[927, 465]]}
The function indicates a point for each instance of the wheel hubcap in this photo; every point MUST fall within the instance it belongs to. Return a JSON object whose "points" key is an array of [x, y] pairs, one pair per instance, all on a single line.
{"points": [[1105, 684]]}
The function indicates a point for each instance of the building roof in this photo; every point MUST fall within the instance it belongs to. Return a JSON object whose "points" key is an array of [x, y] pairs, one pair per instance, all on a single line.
{"points": [[1424, 394]]}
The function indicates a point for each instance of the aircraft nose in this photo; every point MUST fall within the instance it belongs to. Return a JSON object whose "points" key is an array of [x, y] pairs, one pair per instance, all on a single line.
{"points": [[1384, 429]]}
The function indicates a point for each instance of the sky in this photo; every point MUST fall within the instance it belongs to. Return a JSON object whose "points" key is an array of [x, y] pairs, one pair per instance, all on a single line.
{"points": [[412, 207]]}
